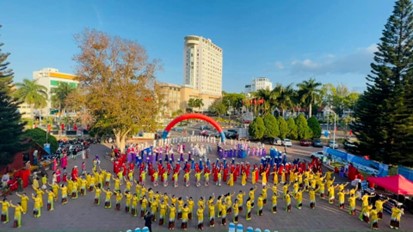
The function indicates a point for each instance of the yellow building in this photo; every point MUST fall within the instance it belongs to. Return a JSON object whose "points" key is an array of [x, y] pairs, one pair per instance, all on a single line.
{"points": [[176, 98]]}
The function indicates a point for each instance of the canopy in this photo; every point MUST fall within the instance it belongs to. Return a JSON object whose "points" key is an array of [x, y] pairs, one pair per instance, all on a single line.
{"points": [[397, 184]]}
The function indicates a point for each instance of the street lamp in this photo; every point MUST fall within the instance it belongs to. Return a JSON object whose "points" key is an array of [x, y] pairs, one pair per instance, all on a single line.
{"points": [[334, 133]]}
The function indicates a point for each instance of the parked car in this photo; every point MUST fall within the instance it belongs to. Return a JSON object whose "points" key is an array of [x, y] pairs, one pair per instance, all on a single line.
{"points": [[277, 141], [318, 154], [206, 133], [305, 142], [333, 144], [317, 143], [287, 143], [231, 135]]}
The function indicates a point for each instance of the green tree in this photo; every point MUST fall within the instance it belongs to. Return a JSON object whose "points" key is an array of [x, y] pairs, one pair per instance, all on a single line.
{"points": [[314, 126], [292, 129], [118, 85], [271, 126], [11, 126], [60, 95], [382, 114], [234, 101], [218, 107], [263, 94], [256, 128], [195, 103], [33, 94], [38, 136], [283, 97], [309, 93], [304, 132], [283, 127]]}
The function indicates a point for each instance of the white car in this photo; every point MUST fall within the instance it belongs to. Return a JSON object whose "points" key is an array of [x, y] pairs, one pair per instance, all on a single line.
{"points": [[333, 144], [318, 154], [287, 143]]}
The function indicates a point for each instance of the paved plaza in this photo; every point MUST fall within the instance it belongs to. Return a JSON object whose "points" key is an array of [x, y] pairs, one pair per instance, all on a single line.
{"points": [[82, 215]]}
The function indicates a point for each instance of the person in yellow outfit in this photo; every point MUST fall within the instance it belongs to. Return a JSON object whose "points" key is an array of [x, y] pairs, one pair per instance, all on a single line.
{"points": [[55, 188], [228, 202], [143, 177], [180, 207], [186, 178], [248, 206], [155, 178], [198, 179], [172, 215], [230, 181], [264, 194], [50, 200], [83, 186], [311, 194], [283, 178], [206, 176], [40, 193], [128, 200], [341, 198], [185, 212], [5, 210], [165, 179], [128, 184], [144, 205], [74, 190], [396, 214], [118, 199], [299, 199], [264, 178], [285, 189], [253, 174], [352, 204], [251, 195], [35, 184], [37, 209], [162, 211], [134, 206], [223, 214], [379, 207], [18, 210], [244, 179], [211, 210], [331, 194], [97, 195], [235, 210], [287, 198], [154, 208], [240, 199], [365, 199], [365, 213], [260, 204], [190, 203], [374, 219], [108, 177], [274, 200], [116, 184], [108, 195], [24, 199], [275, 179], [64, 191], [200, 216]]}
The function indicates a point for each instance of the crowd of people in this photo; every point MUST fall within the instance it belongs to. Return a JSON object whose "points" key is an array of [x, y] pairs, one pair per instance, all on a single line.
{"points": [[132, 178]]}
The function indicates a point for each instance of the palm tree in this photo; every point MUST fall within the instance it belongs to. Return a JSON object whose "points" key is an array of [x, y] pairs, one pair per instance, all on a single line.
{"points": [[283, 97], [31, 93], [59, 96], [309, 93], [195, 103], [264, 94]]}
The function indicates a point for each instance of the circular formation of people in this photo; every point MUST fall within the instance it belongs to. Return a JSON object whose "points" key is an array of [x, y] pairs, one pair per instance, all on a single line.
{"points": [[130, 182]]}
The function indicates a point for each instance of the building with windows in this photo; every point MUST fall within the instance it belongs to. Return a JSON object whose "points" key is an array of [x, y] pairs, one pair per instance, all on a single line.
{"points": [[50, 78], [202, 65], [257, 84], [176, 98]]}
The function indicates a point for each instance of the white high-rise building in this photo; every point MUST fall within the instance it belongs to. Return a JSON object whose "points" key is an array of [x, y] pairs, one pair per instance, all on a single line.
{"points": [[203, 65], [257, 84]]}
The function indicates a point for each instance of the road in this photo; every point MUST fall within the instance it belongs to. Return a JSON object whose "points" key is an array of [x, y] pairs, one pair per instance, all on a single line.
{"points": [[83, 215]]}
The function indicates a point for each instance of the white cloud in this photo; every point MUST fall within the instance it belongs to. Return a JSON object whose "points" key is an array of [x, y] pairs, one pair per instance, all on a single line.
{"points": [[279, 65], [357, 62]]}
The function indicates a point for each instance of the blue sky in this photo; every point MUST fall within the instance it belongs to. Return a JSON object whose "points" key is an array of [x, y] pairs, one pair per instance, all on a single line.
{"points": [[287, 41]]}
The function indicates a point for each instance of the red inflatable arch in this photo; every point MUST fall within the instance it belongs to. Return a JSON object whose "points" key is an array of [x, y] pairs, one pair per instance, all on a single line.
{"points": [[193, 116]]}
